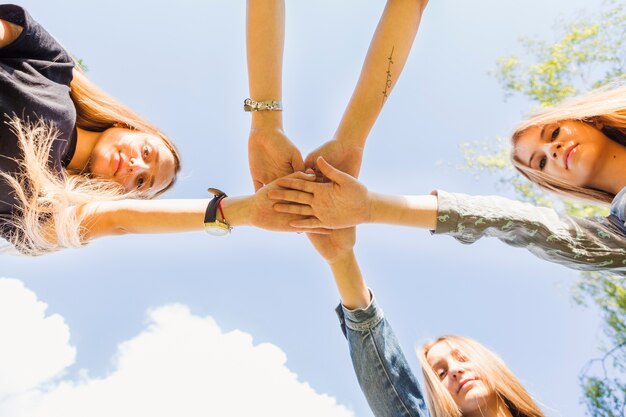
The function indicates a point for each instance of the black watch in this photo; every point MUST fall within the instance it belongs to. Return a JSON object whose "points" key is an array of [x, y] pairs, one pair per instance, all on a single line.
{"points": [[212, 225]]}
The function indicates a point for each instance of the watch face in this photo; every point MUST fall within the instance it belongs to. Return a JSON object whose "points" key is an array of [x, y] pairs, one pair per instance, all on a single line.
{"points": [[217, 228]]}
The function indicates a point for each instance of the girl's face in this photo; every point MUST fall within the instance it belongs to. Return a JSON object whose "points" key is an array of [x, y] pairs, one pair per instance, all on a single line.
{"points": [[138, 161], [570, 150], [458, 374]]}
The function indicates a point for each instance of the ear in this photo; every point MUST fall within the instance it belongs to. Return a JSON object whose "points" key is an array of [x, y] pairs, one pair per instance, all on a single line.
{"points": [[597, 123]]}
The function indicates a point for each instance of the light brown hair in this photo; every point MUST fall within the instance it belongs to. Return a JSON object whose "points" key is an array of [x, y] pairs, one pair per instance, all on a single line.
{"points": [[493, 372]]}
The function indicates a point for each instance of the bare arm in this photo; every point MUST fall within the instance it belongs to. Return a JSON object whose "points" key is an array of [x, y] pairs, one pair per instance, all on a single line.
{"points": [[387, 54], [270, 152], [174, 216], [8, 32]]}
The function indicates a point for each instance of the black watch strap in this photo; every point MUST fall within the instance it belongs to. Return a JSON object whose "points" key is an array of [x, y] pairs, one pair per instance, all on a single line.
{"points": [[210, 215]]}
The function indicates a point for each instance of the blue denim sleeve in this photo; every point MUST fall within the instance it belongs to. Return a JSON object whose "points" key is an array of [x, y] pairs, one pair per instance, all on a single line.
{"points": [[384, 375]]}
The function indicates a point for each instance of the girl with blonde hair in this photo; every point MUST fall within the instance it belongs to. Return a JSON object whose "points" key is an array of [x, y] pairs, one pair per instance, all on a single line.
{"points": [[462, 377], [75, 164], [577, 149]]}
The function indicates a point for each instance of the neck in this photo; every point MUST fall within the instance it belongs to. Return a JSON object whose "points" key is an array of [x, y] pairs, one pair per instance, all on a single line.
{"points": [[85, 142], [495, 408]]}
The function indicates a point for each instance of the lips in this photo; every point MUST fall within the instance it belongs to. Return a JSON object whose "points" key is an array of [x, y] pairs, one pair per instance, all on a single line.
{"points": [[463, 383], [568, 154]]}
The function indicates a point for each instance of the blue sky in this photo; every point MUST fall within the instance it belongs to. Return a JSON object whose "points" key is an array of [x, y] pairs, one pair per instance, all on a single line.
{"points": [[119, 300]]}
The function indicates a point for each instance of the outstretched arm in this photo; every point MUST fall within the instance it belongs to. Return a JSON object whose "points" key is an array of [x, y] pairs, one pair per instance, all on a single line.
{"points": [[389, 385], [589, 244], [173, 216], [387, 54], [270, 152]]}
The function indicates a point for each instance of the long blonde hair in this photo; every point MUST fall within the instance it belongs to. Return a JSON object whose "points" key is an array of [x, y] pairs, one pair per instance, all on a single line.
{"points": [[604, 107], [45, 217], [96, 111], [492, 371]]}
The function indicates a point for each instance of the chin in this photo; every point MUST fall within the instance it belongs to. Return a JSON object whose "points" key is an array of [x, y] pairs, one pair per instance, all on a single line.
{"points": [[478, 398]]}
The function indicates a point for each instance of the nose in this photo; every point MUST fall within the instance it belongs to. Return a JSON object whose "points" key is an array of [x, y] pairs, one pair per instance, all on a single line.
{"points": [[553, 149], [456, 372], [137, 165]]}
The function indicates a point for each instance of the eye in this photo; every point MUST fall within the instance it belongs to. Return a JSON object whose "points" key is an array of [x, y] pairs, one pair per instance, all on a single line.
{"points": [[542, 163], [441, 373], [140, 182], [146, 152], [555, 133]]}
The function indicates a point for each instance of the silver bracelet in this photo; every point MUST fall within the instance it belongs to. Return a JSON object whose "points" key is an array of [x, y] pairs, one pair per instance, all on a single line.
{"points": [[270, 105]]}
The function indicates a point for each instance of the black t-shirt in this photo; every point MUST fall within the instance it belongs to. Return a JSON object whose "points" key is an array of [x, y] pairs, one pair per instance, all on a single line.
{"points": [[35, 75]]}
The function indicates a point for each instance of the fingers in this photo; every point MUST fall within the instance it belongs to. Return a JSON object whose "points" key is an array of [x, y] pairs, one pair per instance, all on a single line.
{"points": [[319, 231], [306, 176], [331, 172], [308, 186], [294, 209], [310, 223], [292, 196]]}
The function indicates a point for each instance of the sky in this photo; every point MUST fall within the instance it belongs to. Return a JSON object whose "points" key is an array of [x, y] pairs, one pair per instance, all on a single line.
{"points": [[191, 324]]}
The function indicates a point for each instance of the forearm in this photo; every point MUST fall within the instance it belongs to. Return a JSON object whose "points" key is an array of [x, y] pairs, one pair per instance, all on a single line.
{"points": [[265, 33], [414, 211], [349, 280], [383, 65], [156, 216]]}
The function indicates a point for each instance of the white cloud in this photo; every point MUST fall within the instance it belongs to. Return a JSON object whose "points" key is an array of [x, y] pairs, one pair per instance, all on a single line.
{"points": [[182, 365], [33, 348]]}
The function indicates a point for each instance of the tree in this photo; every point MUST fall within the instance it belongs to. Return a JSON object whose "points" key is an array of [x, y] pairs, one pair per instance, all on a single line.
{"points": [[590, 52]]}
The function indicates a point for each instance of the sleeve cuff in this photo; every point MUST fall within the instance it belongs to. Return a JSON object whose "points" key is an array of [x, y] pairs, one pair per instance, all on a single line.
{"points": [[360, 319], [447, 212]]}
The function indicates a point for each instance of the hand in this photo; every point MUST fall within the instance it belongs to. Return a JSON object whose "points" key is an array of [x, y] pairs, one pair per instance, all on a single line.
{"points": [[263, 215], [342, 203], [343, 156], [271, 155], [335, 246]]}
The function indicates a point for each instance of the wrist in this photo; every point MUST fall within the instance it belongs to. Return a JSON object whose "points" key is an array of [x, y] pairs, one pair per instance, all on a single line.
{"points": [[267, 120], [237, 210], [375, 207], [342, 261]]}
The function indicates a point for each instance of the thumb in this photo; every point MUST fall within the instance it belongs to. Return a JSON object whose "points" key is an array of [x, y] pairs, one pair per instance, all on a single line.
{"points": [[296, 162], [309, 162], [331, 172], [257, 185]]}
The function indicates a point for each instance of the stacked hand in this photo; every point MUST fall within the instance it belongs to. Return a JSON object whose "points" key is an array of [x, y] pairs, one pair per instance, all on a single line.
{"points": [[338, 203], [343, 202], [271, 155]]}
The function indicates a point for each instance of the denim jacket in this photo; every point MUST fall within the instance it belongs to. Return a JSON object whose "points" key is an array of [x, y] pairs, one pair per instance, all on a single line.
{"points": [[384, 375], [584, 243]]}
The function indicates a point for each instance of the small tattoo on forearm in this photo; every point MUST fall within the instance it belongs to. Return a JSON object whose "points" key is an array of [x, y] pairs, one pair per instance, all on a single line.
{"points": [[388, 83]]}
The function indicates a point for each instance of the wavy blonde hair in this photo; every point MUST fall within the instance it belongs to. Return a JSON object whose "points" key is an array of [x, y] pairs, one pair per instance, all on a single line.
{"points": [[605, 107], [492, 371], [47, 216]]}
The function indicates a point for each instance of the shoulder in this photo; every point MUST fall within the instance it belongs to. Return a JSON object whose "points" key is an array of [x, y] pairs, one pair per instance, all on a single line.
{"points": [[618, 205]]}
